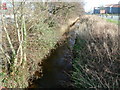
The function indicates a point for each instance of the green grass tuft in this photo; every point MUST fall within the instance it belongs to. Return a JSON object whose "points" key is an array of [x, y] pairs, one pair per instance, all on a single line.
{"points": [[113, 21]]}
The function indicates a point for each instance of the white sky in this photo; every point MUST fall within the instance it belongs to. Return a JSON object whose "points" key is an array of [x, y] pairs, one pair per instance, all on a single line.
{"points": [[90, 4]]}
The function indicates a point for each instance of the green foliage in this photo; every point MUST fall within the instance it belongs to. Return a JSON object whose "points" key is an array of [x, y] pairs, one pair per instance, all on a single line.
{"points": [[113, 21], [32, 35], [80, 77]]}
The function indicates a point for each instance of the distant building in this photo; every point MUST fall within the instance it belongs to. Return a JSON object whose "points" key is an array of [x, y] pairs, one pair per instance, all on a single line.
{"points": [[3, 6], [113, 9], [102, 11], [96, 10], [109, 9]]}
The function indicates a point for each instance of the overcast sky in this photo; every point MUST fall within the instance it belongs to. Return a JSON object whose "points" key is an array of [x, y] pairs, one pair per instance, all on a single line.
{"points": [[90, 4]]}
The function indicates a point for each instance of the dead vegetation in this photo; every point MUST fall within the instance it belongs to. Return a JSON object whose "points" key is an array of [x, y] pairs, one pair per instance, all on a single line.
{"points": [[34, 32], [96, 54], [28, 39]]}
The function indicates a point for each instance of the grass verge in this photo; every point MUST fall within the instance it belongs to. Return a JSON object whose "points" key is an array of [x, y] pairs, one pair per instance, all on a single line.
{"points": [[113, 21], [96, 54]]}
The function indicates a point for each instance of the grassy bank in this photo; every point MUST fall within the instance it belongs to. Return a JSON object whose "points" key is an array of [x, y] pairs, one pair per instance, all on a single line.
{"points": [[29, 38], [96, 54]]}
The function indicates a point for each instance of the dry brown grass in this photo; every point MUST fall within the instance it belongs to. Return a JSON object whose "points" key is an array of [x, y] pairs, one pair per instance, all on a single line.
{"points": [[96, 53]]}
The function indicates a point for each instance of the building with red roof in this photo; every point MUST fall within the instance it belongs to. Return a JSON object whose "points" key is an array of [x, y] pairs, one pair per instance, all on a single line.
{"points": [[109, 9], [112, 9]]}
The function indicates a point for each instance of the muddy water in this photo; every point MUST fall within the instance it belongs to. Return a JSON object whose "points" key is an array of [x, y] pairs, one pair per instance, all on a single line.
{"points": [[57, 67]]}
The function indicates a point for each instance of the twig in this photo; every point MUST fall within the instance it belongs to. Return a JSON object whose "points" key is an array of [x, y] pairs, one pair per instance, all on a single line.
{"points": [[7, 56], [8, 37]]}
